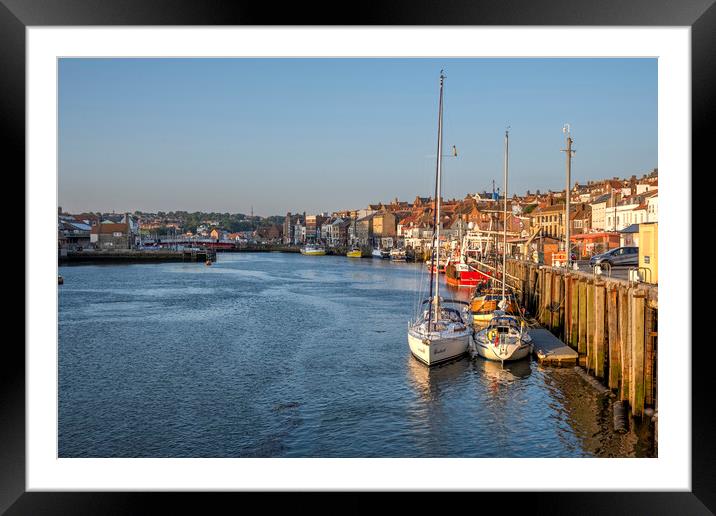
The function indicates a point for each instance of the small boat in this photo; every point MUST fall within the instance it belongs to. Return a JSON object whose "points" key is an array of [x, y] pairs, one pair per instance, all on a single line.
{"points": [[380, 253], [208, 263], [439, 333], [60, 280], [313, 250], [397, 254], [504, 338], [486, 300], [354, 252], [458, 273]]}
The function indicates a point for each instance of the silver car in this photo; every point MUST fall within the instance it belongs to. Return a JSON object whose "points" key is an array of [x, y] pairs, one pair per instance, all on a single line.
{"points": [[621, 256]]}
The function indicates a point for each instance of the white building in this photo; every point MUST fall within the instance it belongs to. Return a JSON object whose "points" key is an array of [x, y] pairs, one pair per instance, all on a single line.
{"points": [[629, 212], [652, 208], [299, 233], [599, 208], [646, 187], [334, 232]]}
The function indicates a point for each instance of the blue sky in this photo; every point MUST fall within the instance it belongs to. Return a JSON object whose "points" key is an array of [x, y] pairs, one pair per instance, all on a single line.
{"points": [[323, 134]]}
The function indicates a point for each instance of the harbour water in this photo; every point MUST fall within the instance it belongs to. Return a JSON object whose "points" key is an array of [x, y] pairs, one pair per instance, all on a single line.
{"points": [[286, 355]]}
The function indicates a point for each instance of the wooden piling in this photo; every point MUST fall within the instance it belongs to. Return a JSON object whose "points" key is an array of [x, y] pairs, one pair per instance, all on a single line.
{"points": [[547, 305], [625, 342], [612, 335], [534, 277], [582, 346], [649, 358], [638, 348], [590, 326], [574, 323], [609, 322], [563, 303], [599, 324], [556, 303]]}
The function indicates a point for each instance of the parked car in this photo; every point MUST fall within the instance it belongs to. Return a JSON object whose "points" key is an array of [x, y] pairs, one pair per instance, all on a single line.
{"points": [[621, 256]]}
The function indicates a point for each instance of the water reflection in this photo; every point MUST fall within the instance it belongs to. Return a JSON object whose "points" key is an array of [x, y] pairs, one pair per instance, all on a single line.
{"points": [[503, 373], [429, 382]]}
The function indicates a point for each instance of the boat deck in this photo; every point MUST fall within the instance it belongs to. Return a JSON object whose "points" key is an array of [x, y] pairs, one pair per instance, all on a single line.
{"points": [[550, 350]]}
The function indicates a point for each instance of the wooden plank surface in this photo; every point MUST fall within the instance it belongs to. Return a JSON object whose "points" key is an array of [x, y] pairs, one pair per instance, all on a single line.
{"points": [[550, 350]]}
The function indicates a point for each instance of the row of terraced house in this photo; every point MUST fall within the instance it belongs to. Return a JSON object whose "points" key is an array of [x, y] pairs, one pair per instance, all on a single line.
{"points": [[603, 215]]}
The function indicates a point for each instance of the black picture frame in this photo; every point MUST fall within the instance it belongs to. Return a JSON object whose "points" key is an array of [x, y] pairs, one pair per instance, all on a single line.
{"points": [[16, 15]]}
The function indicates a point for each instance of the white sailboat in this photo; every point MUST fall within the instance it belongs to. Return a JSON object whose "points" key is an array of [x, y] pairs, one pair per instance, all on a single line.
{"points": [[313, 250], [505, 337], [439, 332]]}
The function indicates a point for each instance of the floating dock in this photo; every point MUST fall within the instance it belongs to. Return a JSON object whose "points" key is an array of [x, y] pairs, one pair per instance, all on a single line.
{"points": [[550, 350]]}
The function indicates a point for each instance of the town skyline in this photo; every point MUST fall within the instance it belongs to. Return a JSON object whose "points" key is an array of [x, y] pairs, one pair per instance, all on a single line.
{"points": [[320, 134], [250, 214]]}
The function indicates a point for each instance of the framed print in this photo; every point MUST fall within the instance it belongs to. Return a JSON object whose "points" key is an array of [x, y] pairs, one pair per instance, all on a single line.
{"points": [[250, 205]]}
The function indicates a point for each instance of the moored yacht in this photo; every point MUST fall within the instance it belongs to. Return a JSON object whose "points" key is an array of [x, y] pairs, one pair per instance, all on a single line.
{"points": [[505, 338], [439, 333]]}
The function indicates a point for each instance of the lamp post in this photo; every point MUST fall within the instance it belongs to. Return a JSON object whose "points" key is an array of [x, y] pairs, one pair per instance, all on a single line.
{"points": [[569, 152]]}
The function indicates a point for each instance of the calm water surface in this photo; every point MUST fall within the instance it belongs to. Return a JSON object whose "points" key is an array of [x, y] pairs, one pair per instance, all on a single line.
{"points": [[285, 355]]}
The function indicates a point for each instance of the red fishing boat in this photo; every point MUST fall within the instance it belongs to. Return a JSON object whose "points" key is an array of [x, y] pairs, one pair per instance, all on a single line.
{"points": [[458, 273]]}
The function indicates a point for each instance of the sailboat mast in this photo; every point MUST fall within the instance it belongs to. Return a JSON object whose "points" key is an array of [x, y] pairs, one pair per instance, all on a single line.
{"points": [[504, 217], [437, 199]]}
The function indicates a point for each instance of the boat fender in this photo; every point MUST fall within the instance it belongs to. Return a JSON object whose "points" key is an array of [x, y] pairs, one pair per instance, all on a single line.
{"points": [[620, 419]]}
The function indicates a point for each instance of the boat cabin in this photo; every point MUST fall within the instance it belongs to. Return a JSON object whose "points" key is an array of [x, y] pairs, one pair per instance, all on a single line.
{"points": [[503, 323]]}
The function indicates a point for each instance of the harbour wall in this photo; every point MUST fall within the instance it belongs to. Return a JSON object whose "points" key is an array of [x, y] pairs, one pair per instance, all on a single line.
{"points": [[134, 256], [611, 323]]}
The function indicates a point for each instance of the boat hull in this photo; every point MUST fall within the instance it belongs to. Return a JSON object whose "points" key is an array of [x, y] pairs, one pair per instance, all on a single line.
{"points": [[482, 310], [468, 278], [439, 350], [503, 352], [313, 253], [354, 254]]}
